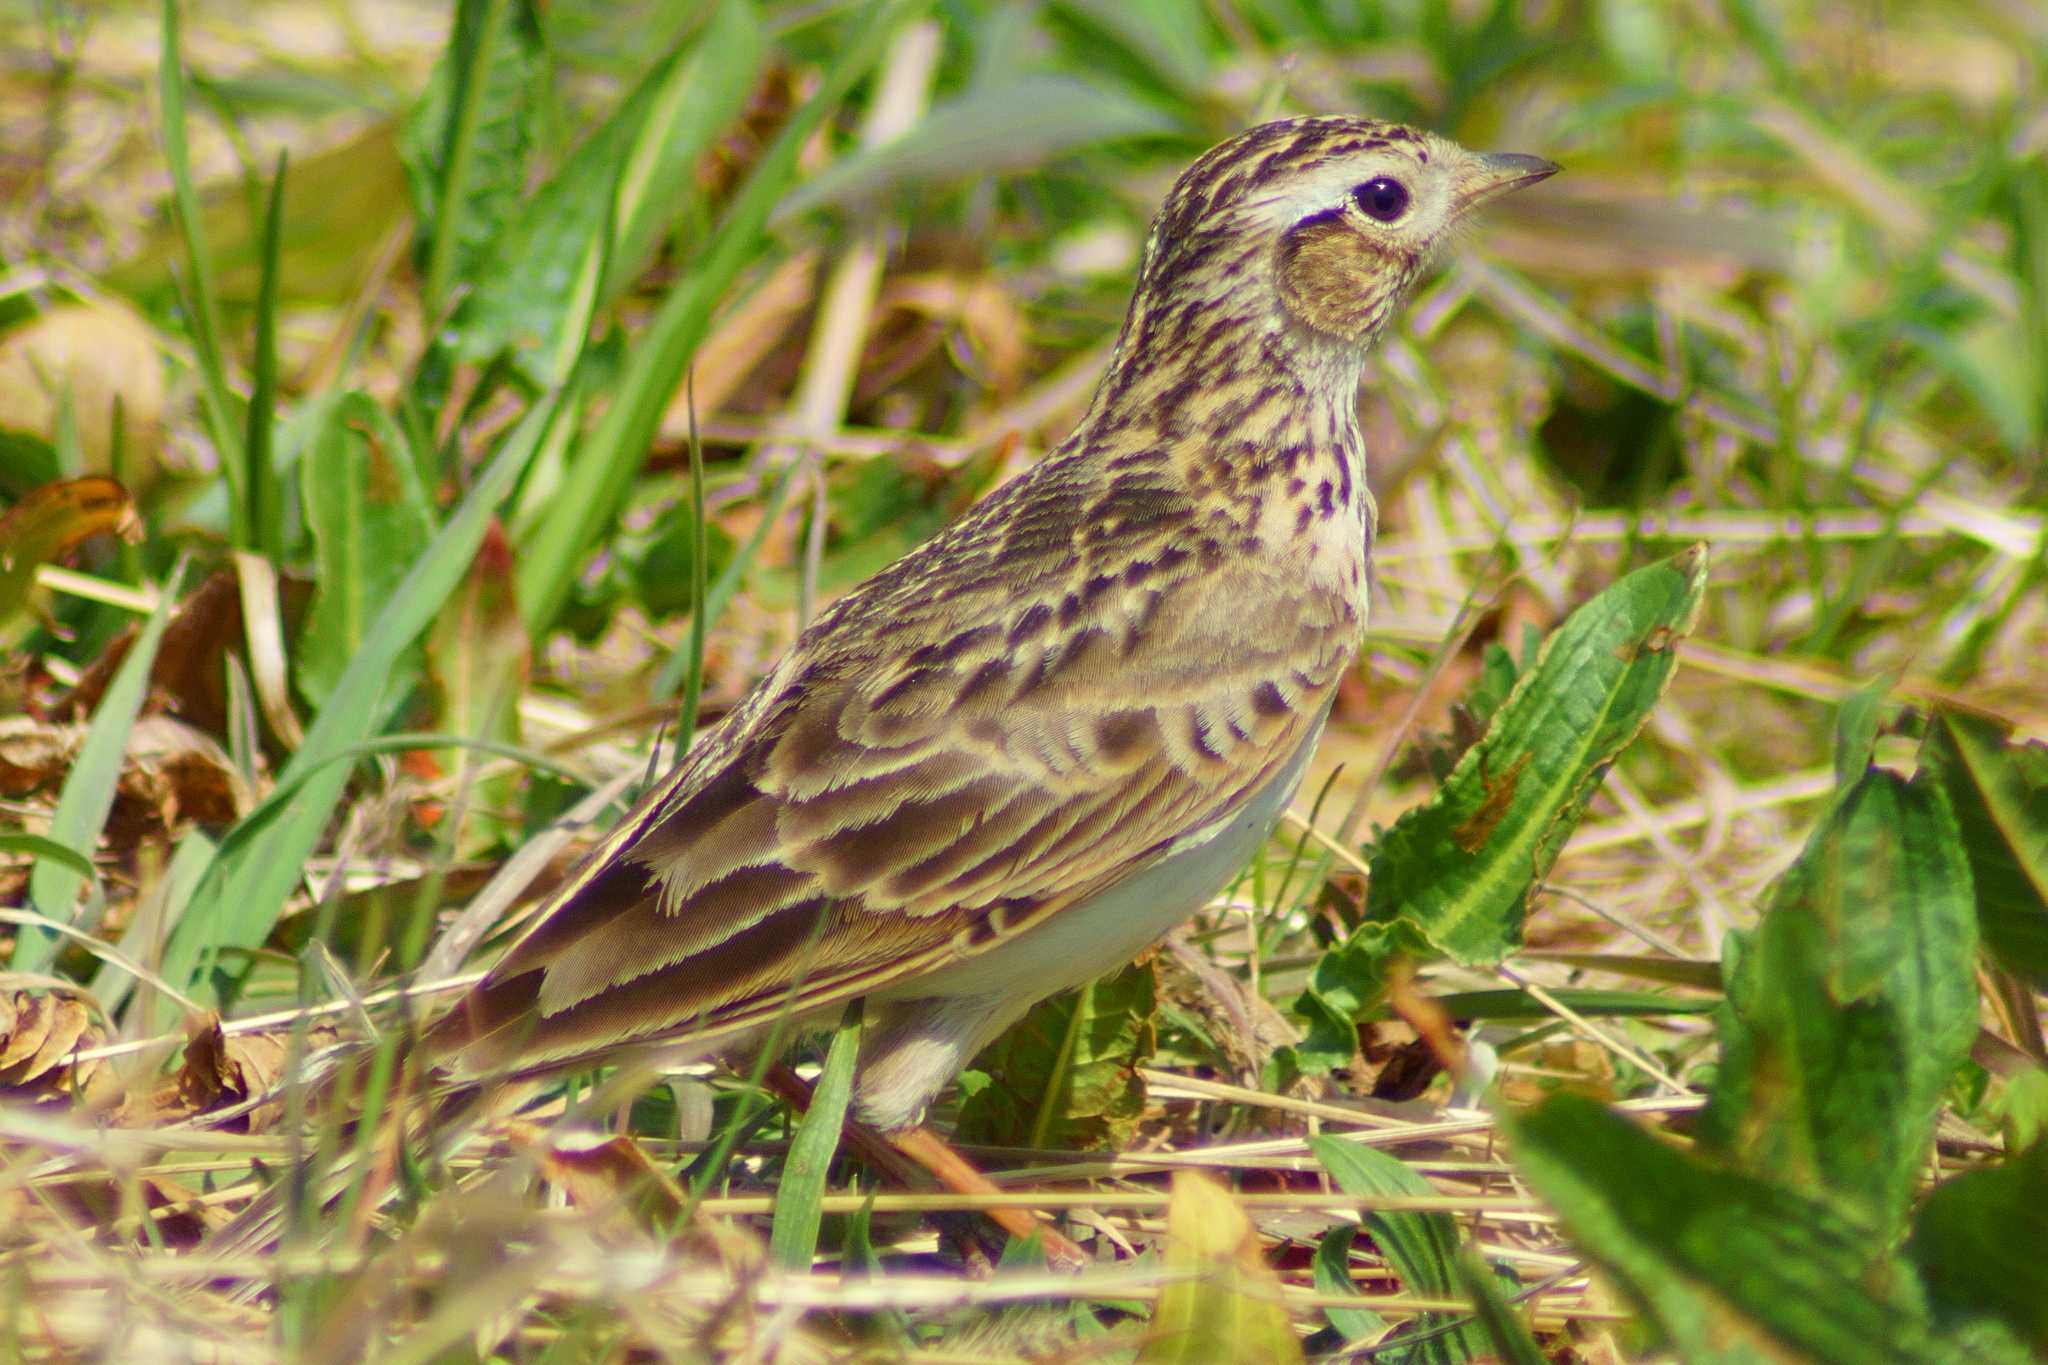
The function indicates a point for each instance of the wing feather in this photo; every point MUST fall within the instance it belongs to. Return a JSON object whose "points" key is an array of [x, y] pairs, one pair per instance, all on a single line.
{"points": [[904, 790]]}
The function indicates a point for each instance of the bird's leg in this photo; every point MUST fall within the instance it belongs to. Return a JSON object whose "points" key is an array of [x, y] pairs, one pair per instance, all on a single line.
{"points": [[902, 1154]]}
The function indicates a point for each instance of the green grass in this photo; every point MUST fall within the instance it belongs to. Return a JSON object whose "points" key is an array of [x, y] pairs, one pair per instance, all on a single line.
{"points": [[517, 376]]}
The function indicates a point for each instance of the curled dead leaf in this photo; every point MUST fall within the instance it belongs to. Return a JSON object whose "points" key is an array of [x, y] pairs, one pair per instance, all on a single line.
{"points": [[222, 1069], [169, 773], [53, 519], [41, 1033]]}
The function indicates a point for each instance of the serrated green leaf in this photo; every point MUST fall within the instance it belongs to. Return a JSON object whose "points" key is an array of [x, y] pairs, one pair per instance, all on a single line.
{"points": [[1423, 1248], [539, 282], [1732, 1269], [369, 518], [1852, 1004], [1066, 1075], [1999, 793], [1460, 866], [466, 144], [1451, 877]]}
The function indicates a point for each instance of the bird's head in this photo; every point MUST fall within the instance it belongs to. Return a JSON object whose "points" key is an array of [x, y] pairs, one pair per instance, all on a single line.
{"points": [[1329, 220]]}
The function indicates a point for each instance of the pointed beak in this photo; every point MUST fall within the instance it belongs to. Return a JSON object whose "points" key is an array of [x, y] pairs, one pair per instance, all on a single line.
{"points": [[1492, 174]]}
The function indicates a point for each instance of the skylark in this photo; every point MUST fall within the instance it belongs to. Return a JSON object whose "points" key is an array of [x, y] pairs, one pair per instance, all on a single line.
{"points": [[1015, 757]]}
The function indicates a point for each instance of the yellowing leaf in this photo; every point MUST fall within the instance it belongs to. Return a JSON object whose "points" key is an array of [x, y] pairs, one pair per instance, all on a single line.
{"points": [[50, 521], [1230, 1306]]}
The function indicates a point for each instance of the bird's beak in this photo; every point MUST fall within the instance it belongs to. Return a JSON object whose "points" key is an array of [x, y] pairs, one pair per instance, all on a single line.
{"points": [[1491, 174]]}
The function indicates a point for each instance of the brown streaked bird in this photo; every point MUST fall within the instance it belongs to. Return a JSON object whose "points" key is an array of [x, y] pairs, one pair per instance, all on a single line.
{"points": [[1015, 757]]}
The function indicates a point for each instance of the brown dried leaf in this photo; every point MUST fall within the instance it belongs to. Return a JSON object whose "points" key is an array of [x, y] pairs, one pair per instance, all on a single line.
{"points": [[187, 673], [222, 1069], [170, 772], [613, 1177], [40, 1033], [33, 754]]}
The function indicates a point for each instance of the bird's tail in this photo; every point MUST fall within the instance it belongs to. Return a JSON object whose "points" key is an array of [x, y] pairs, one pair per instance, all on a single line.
{"points": [[348, 1108]]}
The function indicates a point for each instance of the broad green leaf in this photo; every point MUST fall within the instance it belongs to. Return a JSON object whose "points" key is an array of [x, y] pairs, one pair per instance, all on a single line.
{"points": [[1852, 1004], [539, 283], [1731, 1268], [1423, 1248], [1066, 1076], [369, 518], [1452, 876], [88, 793], [1345, 985], [606, 461], [1230, 1308], [1978, 1241], [1999, 792], [466, 145], [799, 1196], [1016, 124], [262, 858]]}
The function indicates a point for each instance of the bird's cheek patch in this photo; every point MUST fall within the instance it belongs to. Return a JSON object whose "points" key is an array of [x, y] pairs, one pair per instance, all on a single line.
{"points": [[1337, 280]]}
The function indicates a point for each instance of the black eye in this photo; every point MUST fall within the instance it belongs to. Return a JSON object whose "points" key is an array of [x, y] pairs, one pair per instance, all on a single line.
{"points": [[1382, 197]]}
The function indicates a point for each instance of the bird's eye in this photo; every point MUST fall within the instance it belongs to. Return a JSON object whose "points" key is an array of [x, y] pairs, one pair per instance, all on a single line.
{"points": [[1382, 197]]}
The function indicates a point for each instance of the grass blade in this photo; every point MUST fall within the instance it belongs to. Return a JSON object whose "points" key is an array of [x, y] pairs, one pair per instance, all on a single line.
{"points": [[201, 293], [261, 859], [1423, 1248], [266, 492], [605, 465], [88, 793], [793, 1240]]}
